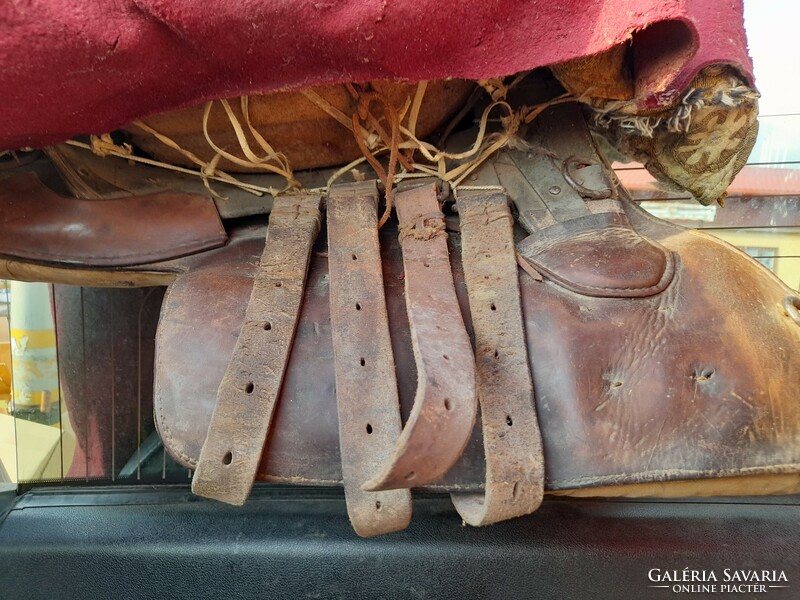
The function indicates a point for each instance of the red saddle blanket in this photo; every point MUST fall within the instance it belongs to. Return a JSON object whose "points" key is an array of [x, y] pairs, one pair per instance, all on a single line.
{"points": [[90, 66]]}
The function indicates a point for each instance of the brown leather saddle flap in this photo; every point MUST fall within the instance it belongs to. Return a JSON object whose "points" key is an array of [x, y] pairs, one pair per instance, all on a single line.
{"points": [[695, 382], [40, 226]]}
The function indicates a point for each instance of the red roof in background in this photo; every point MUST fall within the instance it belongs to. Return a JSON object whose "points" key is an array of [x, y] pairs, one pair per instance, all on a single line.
{"points": [[751, 181]]}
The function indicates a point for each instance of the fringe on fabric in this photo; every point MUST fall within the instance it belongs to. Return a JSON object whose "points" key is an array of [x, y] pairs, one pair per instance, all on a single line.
{"points": [[699, 145]]}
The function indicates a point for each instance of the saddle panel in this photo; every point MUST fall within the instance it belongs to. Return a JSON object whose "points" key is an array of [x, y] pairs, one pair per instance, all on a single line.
{"points": [[628, 390]]}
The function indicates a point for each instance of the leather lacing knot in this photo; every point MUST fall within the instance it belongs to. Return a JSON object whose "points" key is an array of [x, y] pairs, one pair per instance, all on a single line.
{"points": [[423, 227]]}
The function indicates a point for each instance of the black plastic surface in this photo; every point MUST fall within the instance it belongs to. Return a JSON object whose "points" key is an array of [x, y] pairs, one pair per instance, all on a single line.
{"points": [[165, 543]]}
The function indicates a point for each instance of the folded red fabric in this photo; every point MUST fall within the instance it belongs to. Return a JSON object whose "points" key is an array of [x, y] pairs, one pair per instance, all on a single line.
{"points": [[90, 66]]}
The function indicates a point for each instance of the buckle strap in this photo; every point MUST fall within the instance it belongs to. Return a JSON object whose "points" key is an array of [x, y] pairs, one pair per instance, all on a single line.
{"points": [[512, 441], [249, 391], [445, 404], [366, 383]]}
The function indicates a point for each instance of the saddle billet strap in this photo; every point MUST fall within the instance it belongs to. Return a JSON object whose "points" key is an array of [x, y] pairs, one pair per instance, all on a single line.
{"points": [[445, 403], [249, 390], [366, 383], [512, 441]]}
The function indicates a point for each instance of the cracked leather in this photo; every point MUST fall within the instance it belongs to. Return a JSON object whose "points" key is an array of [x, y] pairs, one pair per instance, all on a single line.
{"points": [[634, 331], [512, 443], [445, 403], [249, 390]]}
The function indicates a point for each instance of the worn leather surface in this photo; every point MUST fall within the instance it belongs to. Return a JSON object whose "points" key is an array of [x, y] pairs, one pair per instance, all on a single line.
{"points": [[247, 394], [512, 443], [698, 381], [445, 403], [367, 403], [40, 226]]}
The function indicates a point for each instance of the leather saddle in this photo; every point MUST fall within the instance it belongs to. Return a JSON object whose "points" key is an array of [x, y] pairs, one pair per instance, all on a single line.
{"points": [[535, 332]]}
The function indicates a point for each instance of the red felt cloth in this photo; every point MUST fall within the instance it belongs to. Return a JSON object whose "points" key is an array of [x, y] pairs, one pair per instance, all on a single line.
{"points": [[90, 66]]}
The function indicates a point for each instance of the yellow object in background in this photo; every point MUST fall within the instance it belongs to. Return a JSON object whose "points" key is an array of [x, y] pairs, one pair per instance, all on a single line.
{"points": [[34, 454], [33, 347], [783, 244], [5, 365], [36, 442]]}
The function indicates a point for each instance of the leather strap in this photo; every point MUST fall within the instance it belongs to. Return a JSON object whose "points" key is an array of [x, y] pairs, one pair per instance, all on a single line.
{"points": [[443, 415], [512, 441], [366, 384], [249, 390]]}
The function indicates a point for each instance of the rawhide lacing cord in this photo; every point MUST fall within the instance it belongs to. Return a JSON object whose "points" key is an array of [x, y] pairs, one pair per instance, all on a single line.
{"points": [[385, 175], [372, 138]]}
